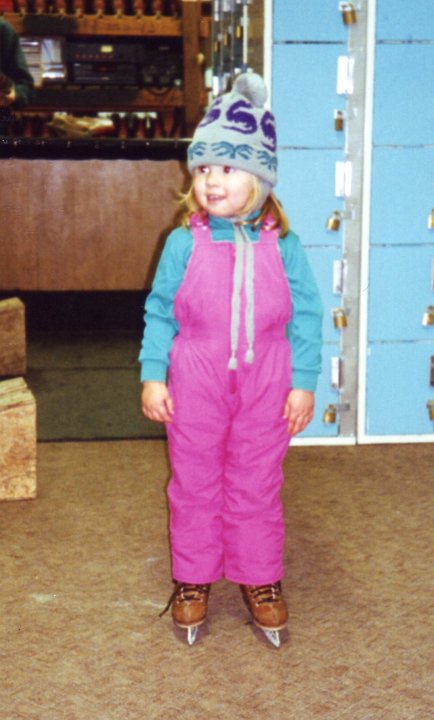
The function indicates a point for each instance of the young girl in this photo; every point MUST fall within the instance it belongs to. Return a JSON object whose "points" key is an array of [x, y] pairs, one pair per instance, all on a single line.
{"points": [[234, 320]]}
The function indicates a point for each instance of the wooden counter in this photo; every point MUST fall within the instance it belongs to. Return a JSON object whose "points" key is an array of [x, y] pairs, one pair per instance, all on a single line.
{"points": [[88, 224]]}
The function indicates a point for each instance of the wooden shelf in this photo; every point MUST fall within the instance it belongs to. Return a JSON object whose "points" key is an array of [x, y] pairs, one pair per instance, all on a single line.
{"points": [[92, 99], [88, 25], [191, 28]]}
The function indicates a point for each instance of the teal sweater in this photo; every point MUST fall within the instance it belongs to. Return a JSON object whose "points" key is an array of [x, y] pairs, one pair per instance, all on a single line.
{"points": [[304, 330]]}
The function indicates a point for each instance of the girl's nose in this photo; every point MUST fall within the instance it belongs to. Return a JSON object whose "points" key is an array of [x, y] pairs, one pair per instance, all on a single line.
{"points": [[211, 177]]}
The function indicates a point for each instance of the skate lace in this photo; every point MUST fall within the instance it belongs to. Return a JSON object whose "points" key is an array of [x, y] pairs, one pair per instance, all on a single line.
{"points": [[186, 592], [266, 593]]}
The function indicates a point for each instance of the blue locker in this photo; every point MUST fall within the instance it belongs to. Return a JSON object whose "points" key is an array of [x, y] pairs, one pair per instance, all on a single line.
{"points": [[304, 95], [404, 20], [307, 44], [313, 20], [321, 260], [306, 187], [324, 396], [400, 290], [399, 389], [402, 195], [403, 97]]}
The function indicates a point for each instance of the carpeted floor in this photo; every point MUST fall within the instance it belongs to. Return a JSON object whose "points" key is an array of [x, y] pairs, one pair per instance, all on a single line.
{"points": [[85, 572]]}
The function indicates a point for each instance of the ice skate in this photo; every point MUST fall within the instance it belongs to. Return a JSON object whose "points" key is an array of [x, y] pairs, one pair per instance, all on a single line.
{"points": [[189, 604], [267, 608]]}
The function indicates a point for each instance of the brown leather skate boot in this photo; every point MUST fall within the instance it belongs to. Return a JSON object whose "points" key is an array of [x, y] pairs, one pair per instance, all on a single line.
{"points": [[266, 604], [190, 604]]}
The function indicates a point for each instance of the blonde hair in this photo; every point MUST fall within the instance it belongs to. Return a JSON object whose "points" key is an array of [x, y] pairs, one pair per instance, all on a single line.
{"points": [[189, 206]]}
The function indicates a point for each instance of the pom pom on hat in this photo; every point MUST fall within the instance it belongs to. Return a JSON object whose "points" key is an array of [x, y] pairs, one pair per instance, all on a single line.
{"points": [[238, 131], [252, 87]]}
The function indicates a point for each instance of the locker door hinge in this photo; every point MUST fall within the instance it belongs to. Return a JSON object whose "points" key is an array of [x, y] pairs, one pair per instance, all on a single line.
{"points": [[345, 82], [337, 373], [339, 268], [343, 178]]}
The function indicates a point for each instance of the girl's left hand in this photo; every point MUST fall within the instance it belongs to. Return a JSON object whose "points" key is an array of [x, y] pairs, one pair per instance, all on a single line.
{"points": [[298, 410]]}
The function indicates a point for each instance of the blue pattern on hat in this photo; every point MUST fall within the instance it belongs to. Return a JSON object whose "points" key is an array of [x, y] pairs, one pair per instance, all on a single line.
{"points": [[223, 149], [270, 161]]}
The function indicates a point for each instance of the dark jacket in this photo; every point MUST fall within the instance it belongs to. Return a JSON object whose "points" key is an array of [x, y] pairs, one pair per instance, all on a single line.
{"points": [[13, 64]]}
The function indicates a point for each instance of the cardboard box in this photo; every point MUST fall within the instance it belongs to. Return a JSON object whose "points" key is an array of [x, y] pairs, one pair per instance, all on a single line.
{"points": [[12, 338], [17, 441]]}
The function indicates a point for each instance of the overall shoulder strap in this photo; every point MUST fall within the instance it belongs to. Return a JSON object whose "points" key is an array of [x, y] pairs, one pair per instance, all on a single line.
{"points": [[269, 232], [200, 229]]}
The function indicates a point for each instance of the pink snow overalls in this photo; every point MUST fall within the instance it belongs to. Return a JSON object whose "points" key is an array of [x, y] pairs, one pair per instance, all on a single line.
{"points": [[228, 437]]}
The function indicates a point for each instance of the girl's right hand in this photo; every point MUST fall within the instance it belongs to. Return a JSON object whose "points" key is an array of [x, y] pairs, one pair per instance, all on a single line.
{"points": [[157, 403]]}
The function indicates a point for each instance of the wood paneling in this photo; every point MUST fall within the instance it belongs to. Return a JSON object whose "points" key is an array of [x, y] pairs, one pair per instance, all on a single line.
{"points": [[85, 224]]}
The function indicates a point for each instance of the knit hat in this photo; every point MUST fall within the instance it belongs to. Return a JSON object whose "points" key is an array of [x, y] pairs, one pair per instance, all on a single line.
{"points": [[238, 131]]}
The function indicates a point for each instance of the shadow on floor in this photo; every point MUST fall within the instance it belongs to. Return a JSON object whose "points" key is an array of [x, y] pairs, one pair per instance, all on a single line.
{"points": [[82, 353]]}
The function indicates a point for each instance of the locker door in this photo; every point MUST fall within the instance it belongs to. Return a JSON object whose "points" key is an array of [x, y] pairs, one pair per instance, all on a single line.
{"points": [[403, 97], [308, 42], [321, 260], [401, 20], [399, 389], [324, 396], [402, 195], [314, 20], [306, 187], [401, 288], [305, 94]]}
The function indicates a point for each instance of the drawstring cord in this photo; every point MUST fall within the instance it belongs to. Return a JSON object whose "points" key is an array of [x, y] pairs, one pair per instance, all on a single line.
{"points": [[236, 296], [243, 246], [250, 307]]}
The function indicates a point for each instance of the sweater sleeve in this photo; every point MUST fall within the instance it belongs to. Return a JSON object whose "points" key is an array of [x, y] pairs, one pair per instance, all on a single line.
{"points": [[160, 323], [305, 328]]}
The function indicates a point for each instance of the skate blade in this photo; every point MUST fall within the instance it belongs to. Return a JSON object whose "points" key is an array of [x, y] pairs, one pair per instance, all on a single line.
{"points": [[192, 634], [273, 636]]}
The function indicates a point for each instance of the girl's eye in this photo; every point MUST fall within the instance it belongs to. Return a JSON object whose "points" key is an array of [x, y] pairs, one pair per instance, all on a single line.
{"points": [[228, 169], [203, 169]]}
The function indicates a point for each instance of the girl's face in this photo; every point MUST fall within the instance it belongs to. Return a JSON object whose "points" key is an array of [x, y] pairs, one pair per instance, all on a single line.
{"points": [[222, 190]]}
